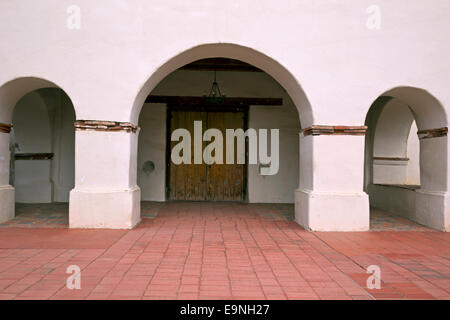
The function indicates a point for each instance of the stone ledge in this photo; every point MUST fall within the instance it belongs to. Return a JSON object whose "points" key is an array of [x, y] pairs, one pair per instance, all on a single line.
{"points": [[432, 133], [390, 161], [401, 186], [317, 130], [99, 125], [33, 156], [6, 128], [391, 158]]}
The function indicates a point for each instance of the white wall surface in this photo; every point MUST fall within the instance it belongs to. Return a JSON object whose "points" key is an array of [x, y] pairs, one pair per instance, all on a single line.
{"points": [[62, 118], [152, 147], [392, 130], [396, 137], [339, 63], [281, 186], [32, 134], [413, 153]]}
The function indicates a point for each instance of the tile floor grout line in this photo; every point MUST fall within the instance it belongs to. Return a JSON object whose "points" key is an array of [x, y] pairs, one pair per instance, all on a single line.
{"points": [[344, 273], [118, 261], [19, 293], [246, 248], [159, 264]]}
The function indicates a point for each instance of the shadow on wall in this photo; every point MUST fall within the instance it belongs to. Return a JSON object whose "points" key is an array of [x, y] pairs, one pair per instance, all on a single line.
{"points": [[43, 144]]}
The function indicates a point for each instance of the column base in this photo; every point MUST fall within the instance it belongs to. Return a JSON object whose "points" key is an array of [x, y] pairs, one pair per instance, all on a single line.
{"points": [[433, 209], [109, 209], [326, 211], [7, 203]]}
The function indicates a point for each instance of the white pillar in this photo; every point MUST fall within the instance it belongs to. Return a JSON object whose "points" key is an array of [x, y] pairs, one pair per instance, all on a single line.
{"points": [[330, 196], [433, 199], [106, 194], [6, 190]]}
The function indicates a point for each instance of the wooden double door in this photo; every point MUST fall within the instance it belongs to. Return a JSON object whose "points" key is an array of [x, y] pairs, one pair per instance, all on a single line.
{"points": [[205, 182]]}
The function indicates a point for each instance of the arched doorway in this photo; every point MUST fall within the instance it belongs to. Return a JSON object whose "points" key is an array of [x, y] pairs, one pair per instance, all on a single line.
{"points": [[406, 156], [40, 152], [241, 73], [177, 102]]}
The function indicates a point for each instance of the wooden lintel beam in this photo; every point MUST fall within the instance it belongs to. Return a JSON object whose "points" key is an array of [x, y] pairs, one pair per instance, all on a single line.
{"points": [[220, 64], [33, 156], [391, 158], [206, 67], [191, 100]]}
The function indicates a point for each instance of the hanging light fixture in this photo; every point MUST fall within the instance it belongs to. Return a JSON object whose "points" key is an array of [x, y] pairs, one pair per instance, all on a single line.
{"points": [[215, 96]]}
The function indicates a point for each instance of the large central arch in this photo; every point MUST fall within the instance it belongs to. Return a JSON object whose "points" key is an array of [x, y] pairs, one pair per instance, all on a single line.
{"points": [[232, 51]]}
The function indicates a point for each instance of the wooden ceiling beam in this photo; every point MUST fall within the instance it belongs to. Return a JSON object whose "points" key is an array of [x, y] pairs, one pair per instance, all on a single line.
{"points": [[191, 100], [220, 64]]}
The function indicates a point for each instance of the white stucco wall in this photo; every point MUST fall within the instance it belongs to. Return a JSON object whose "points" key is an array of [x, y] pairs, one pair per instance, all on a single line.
{"points": [[152, 137], [279, 187], [341, 64], [152, 147], [413, 153], [392, 130], [32, 134], [62, 118], [396, 137]]}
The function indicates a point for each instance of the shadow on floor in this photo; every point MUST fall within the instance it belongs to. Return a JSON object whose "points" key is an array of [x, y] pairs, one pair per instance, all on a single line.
{"points": [[55, 215]]}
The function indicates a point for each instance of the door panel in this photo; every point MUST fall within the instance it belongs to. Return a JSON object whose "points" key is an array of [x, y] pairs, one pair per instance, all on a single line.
{"points": [[225, 181], [187, 181], [216, 182]]}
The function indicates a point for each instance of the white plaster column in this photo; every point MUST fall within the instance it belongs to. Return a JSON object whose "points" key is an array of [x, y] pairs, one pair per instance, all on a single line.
{"points": [[6, 190], [106, 194], [330, 196], [433, 198]]}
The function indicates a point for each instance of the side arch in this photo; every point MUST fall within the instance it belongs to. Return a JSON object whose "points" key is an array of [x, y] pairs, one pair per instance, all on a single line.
{"points": [[389, 120], [15, 95], [428, 111], [12, 91]]}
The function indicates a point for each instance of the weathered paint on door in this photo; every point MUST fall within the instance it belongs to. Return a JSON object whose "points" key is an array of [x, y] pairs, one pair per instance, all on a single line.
{"points": [[197, 182]]}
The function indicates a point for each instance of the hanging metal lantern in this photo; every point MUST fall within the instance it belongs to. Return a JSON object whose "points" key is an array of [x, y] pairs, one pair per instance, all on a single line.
{"points": [[214, 96]]}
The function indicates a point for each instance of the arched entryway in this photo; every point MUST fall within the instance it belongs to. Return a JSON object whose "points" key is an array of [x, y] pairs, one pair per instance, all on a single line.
{"points": [[253, 99], [406, 156], [38, 140]]}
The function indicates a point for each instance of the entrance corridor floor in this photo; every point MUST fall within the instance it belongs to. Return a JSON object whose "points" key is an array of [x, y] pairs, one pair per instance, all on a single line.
{"points": [[219, 251]]}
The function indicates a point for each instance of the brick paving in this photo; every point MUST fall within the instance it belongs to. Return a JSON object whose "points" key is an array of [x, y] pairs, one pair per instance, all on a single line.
{"points": [[222, 251]]}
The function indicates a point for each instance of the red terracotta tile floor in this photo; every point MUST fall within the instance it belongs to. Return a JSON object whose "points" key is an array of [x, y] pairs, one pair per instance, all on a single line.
{"points": [[222, 251]]}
